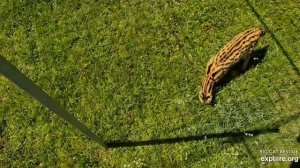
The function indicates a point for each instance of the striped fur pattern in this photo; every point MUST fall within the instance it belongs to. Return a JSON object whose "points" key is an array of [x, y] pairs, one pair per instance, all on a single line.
{"points": [[238, 49]]}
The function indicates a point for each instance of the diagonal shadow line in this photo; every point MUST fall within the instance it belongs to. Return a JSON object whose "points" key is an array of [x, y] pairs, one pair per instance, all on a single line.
{"points": [[18, 78], [286, 120], [117, 143], [13, 74], [256, 163], [294, 67], [114, 144], [285, 53]]}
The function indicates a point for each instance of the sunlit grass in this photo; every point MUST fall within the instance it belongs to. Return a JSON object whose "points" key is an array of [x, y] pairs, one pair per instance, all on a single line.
{"points": [[131, 70]]}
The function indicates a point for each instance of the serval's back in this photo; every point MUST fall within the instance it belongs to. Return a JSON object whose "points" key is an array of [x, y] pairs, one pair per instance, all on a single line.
{"points": [[239, 48]]}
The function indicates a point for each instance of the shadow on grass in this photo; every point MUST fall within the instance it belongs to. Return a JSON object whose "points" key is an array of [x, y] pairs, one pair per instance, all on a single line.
{"points": [[256, 57], [23, 82], [235, 135], [248, 149], [290, 118], [3, 125], [285, 53], [293, 65], [296, 164]]}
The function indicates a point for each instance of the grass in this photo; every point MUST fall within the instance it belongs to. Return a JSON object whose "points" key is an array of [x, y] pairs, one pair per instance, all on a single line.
{"points": [[130, 70]]}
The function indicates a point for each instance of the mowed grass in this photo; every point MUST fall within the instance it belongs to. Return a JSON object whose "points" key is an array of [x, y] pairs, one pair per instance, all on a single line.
{"points": [[131, 70]]}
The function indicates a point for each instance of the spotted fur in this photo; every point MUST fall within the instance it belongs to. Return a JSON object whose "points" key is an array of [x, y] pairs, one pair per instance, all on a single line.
{"points": [[239, 48]]}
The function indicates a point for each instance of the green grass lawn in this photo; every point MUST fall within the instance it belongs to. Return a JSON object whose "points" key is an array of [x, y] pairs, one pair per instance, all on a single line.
{"points": [[131, 70]]}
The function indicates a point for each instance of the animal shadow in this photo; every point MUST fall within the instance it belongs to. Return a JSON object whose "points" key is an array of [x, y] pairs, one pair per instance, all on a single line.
{"points": [[256, 57]]}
